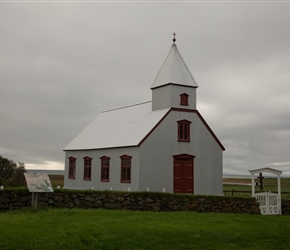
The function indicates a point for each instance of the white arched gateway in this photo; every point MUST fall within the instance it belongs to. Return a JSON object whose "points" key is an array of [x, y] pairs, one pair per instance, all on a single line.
{"points": [[270, 203]]}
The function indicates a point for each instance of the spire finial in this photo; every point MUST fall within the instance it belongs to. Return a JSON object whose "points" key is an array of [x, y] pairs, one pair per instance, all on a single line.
{"points": [[174, 39]]}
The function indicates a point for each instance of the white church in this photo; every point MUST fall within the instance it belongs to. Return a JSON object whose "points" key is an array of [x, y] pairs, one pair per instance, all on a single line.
{"points": [[163, 145]]}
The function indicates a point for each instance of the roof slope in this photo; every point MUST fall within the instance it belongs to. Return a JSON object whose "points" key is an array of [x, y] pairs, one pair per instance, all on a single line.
{"points": [[174, 70], [118, 128]]}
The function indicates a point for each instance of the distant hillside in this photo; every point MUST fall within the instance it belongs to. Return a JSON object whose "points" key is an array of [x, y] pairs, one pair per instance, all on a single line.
{"points": [[46, 171]]}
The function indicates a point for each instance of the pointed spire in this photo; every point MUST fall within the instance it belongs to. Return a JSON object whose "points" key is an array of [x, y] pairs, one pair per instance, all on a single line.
{"points": [[174, 70]]}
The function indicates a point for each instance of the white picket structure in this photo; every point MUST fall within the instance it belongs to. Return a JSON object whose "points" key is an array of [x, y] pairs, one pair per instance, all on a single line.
{"points": [[269, 203]]}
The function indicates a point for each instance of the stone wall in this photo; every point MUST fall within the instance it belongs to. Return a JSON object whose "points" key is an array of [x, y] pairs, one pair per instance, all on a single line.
{"points": [[285, 204], [143, 201]]}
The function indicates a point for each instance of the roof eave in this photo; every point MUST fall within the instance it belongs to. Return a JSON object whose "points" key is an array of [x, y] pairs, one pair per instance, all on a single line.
{"points": [[176, 84]]}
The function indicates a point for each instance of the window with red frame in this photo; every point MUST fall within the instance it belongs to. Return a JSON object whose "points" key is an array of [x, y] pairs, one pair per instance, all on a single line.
{"points": [[72, 168], [105, 168], [126, 168], [184, 131], [184, 99], [87, 168]]}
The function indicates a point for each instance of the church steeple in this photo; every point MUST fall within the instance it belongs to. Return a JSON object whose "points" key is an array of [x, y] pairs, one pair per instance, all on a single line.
{"points": [[173, 80], [174, 70]]}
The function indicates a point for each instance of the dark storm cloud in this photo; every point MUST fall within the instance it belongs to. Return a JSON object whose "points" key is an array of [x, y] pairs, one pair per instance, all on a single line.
{"points": [[63, 63]]}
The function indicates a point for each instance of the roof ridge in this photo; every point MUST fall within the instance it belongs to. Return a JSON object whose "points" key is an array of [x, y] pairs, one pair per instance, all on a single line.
{"points": [[128, 106], [163, 64]]}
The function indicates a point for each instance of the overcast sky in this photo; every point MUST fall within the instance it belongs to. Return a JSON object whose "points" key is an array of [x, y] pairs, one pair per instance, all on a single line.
{"points": [[62, 63]]}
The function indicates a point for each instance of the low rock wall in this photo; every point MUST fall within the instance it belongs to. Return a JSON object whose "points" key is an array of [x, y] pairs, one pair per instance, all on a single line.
{"points": [[285, 204], [143, 201]]}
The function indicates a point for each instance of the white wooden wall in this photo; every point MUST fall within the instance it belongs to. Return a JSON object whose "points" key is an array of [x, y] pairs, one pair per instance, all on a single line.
{"points": [[115, 169], [152, 165], [156, 156], [169, 96]]}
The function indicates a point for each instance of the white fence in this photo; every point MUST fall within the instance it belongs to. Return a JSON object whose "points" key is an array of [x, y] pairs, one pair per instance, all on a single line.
{"points": [[270, 203]]}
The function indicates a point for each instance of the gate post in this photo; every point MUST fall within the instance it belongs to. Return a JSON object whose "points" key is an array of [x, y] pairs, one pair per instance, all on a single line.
{"points": [[279, 193], [253, 185]]}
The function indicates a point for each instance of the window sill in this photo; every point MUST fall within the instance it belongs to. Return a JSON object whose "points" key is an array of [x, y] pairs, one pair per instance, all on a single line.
{"points": [[125, 181]]}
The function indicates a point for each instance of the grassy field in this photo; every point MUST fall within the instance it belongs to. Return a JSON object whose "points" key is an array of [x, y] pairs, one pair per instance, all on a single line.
{"points": [[269, 184], [108, 229], [56, 180]]}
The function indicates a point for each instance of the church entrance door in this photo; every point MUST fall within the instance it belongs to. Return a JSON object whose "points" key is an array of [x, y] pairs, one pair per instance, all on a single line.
{"points": [[183, 174]]}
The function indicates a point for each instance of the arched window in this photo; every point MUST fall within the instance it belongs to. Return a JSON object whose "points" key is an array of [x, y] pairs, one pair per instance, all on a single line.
{"points": [[126, 168], [184, 131]]}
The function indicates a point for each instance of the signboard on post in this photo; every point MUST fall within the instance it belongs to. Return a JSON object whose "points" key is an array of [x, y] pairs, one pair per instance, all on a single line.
{"points": [[37, 182]]}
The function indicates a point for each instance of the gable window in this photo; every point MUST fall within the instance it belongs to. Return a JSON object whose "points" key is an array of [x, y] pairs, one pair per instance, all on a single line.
{"points": [[184, 131], [105, 168], [126, 168], [184, 99], [72, 168], [87, 168]]}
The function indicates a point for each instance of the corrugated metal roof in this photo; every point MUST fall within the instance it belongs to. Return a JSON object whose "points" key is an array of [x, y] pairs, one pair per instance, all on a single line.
{"points": [[118, 128], [174, 70]]}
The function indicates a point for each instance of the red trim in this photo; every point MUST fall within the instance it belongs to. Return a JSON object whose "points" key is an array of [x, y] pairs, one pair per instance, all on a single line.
{"points": [[185, 155], [87, 169], [184, 110], [145, 137], [105, 168], [203, 121], [126, 169], [125, 156], [183, 131], [73, 176]]}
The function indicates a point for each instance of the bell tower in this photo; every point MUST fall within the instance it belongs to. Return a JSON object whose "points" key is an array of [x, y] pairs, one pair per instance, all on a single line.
{"points": [[174, 85]]}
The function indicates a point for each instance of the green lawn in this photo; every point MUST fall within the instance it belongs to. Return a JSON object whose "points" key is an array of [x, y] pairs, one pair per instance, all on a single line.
{"points": [[56, 180], [108, 229]]}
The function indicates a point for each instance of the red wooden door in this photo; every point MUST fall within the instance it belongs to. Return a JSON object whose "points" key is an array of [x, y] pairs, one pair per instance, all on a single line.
{"points": [[183, 174]]}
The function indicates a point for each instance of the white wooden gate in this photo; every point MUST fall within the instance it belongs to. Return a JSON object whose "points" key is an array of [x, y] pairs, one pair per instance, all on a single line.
{"points": [[269, 203]]}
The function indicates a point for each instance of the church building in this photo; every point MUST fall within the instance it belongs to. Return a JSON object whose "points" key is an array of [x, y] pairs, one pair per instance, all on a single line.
{"points": [[163, 145]]}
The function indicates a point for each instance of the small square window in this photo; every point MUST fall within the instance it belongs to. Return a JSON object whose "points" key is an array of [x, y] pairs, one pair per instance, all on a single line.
{"points": [[184, 99]]}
